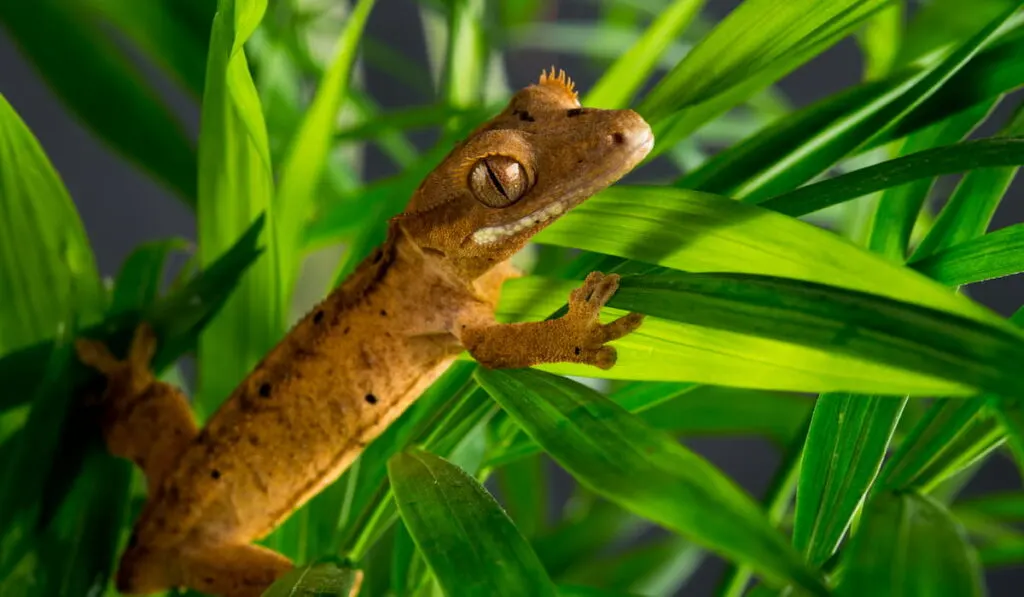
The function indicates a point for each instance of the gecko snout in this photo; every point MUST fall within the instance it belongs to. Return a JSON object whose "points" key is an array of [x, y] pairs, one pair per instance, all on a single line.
{"points": [[632, 133]]}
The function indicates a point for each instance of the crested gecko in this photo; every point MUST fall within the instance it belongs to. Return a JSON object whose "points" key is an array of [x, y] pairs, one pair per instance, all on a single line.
{"points": [[360, 357]]}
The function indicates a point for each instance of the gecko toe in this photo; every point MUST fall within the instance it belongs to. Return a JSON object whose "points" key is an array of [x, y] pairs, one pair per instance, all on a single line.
{"points": [[622, 326]]}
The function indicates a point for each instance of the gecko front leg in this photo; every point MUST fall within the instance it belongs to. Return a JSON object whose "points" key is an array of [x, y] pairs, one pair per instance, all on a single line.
{"points": [[576, 337]]}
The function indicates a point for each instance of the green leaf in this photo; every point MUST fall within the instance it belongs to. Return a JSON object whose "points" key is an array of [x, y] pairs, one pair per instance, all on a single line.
{"points": [[47, 270], [693, 410], [177, 318], [908, 544], [842, 122], [942, 23], [103, 88], [967, 213], [880, 40], [746, 331], [138, 282], [466, 538], [845, 447], [697, 232], [306, 158], [621, 81], [235, 188], [994, 255], [951, 436], [873, 120], [615, 455], [756, 44], [320, 579], [949, 159], [898, 206], [166, 31]]}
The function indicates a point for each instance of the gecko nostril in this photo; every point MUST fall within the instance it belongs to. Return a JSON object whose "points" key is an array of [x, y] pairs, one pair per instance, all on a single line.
{"points": [[618, 138]]}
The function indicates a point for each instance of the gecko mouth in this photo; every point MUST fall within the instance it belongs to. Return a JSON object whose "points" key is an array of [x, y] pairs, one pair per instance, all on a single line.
{"points": [[493, 234]]}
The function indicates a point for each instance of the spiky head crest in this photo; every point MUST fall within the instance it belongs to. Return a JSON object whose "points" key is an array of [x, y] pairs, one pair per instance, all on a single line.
{"points": [[559, 81]]}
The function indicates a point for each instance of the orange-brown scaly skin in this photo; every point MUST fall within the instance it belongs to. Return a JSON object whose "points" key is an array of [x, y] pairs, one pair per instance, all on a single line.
{"points": [[359, 358]]}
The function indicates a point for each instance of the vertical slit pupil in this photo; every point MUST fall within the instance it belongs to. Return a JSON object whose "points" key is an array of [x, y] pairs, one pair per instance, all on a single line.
{"points": [[494, 180]]}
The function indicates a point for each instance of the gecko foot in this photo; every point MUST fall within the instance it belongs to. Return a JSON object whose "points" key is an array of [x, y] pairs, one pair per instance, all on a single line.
{"points": [[134, 367], [584, 308]]}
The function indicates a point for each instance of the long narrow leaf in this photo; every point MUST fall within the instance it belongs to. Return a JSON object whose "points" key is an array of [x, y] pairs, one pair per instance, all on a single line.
{"points": [[306, 158], [235, 187], [620, 82], [103, 88], [757, 44], [994, 255], [467, 539], [908, 544], [617, 456], [845, 447], [47, 269], [951, 159]]}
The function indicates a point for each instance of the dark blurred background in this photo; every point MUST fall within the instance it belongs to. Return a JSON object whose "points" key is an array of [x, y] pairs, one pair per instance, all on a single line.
{"points": [[121, 207]]}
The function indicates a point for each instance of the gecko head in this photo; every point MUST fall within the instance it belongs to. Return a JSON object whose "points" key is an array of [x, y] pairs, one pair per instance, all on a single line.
{"points": [[517, 173]]}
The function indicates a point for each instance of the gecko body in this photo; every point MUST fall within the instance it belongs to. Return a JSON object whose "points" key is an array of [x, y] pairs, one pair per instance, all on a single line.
{"points": [[358, 359]]}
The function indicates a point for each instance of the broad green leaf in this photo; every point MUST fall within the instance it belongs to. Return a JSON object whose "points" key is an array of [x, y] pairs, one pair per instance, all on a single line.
{"points": [[177, 318], [103, 88], [164, 30], [617, 456], [307, 156], [951, 436], [748, 331], [814, 154], [994, 255], [967, 213], [908, 544], [757, 44], [235, 188], [623, 79], [141, 275], [898, 206], [466, 538], [846, 444], [47, 270], [950, 159], [322, 579]]}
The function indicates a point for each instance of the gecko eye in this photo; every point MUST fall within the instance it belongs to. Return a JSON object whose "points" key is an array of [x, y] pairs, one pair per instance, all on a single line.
{"points": [[498, 181]]}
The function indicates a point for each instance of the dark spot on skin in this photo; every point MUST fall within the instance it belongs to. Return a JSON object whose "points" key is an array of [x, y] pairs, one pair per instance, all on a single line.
{"points": [[319, 316], [133, 540], [254, 440], [524, 115], [208, 580], [574, 112], [215, 474], [577, 350], [618, 138], [377, 256], [265, 390], [370, 399], [346, 330], [383, 313]]}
